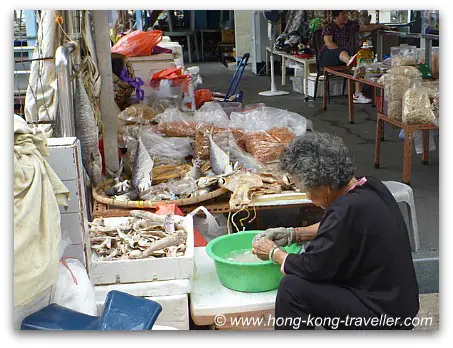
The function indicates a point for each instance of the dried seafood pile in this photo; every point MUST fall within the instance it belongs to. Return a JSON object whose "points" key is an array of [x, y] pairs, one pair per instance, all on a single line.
{"points": [[144, 235], [267, 146], [159, 149]]}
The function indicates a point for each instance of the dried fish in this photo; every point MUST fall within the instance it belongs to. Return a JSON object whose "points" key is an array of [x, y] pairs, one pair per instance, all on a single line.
{"points": [[195, 173], [148, 216], [205, 181], [171, 251], [220, 161], [174, 239], [87, 132], [200, 192], [128, 239], [118, 189], [153, 234], [114, 253], [143, 167]]}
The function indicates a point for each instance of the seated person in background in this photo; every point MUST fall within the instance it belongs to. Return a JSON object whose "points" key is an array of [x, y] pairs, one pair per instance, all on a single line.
{"points": [[339, 37]]}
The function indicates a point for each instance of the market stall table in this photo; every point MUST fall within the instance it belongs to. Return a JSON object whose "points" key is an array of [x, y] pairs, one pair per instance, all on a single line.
{"points": [[349, 75], [409, 130], [306, 63], [213, 304], [220, 205]]}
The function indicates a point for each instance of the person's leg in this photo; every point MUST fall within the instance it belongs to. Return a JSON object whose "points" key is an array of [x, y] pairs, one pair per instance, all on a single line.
{"points": [[358, 88], [344, 57], [359, 98], [302, 305]]}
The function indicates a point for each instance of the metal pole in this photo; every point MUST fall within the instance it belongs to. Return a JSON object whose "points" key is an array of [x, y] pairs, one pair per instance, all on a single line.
{"points": [[64, 90], [109, 109]]}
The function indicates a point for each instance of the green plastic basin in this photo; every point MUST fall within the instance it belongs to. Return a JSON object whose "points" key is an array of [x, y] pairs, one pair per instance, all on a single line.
{"points": [[244, 276]]}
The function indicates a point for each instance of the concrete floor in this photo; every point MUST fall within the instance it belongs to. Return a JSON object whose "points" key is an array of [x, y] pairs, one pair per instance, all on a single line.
{"points": [[359, 137]]}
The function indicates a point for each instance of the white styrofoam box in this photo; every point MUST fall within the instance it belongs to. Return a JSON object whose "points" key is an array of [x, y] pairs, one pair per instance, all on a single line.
{"points": [[145, 66], [72, 225], [145, 270], [76, 251], [171, 326], [209, 297], [146, 289], [299, 72], [175, 310], [335, 84], [298, 84], [62, 157], [176, 49], [74, 197]]}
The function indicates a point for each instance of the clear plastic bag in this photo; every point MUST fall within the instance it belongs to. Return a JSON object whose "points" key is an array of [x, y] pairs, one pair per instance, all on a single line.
{"points": [[395, 86], [183, 187], [158, 145], [73, 288], [201, 147], [265, 118], [417, 138], [137, 114], [360, 71], [409, 71], [267, 146], [403, 55], [163, 150], [212, 113], [395, 110], [211, 226], [175, 123], [227, 142], [417, 106]]}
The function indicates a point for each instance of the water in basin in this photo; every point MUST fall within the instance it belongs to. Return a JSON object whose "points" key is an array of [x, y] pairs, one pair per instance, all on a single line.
{"points": [[242, 255]]}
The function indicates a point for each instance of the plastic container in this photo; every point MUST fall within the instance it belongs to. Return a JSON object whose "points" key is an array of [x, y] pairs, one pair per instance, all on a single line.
{"points": [[403, 55], [230, 107], [250, 107], [240, 276], [298, 84], [365, 55]]}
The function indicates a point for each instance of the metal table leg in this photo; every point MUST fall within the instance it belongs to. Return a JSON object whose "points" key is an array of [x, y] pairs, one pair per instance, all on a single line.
{"points": [[195, 38], [283, 71], [202, 46], [189, 48]]}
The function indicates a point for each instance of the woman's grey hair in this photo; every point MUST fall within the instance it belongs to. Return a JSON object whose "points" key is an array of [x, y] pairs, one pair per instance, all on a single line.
{"points": [[318, 159]]}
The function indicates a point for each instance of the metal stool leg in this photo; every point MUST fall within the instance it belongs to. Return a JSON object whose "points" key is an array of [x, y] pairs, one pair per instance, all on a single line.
{"points": [[413, 226]]}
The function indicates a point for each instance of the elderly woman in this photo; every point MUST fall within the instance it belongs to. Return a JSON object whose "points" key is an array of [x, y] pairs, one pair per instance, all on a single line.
{"points": [[358, 263]]}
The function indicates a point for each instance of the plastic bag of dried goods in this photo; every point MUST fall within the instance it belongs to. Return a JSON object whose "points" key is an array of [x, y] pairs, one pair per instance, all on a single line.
{"points": [[417, 106], [267, 146], [175, 123]]}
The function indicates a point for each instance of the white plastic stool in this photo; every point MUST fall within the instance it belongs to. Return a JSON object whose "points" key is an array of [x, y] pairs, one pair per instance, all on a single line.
{"points": [[403, 194]]}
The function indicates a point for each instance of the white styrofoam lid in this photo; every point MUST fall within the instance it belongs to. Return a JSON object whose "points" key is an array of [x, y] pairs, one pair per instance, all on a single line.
{"points": [[67, 141]]}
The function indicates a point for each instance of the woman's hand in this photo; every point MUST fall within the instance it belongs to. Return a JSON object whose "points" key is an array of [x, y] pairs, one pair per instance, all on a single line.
{"points": [[262, 247]]}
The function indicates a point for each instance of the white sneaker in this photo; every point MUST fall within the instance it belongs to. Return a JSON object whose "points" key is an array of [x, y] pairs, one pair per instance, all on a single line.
{"points": [[361, 99]]}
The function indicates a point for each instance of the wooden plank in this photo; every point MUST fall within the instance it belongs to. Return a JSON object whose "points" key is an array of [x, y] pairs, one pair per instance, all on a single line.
{"points": [[109, 109]]}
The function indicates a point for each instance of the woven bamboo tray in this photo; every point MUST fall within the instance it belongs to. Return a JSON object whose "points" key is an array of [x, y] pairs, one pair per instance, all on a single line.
{"points": [[99, 196]]}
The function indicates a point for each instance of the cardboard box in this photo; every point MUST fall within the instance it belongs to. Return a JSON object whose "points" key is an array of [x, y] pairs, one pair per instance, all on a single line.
{"points": [[227, 36]]}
